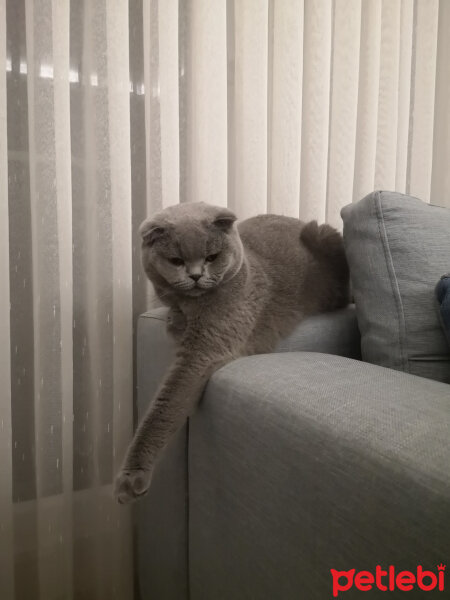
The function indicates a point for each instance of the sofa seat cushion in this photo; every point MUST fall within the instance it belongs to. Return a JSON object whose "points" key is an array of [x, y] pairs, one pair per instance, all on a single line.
{"points": [[398, 247]]}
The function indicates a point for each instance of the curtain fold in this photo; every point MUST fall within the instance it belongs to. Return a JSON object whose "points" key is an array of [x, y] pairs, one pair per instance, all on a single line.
{"points": [[285, 106], [6, 507], [110, 111]]}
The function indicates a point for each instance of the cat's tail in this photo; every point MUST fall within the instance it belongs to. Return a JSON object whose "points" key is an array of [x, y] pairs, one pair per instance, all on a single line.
{"points": [[326, 243]]}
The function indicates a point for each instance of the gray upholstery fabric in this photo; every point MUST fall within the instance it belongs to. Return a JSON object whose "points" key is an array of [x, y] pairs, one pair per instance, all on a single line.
{"points": [[298, 463], [333, 333], [398, 247], [301, 462], [161, 516]]}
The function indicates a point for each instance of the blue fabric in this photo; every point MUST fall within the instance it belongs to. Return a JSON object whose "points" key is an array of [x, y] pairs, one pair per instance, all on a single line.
{"points": [[443, 296], [397, 248]]}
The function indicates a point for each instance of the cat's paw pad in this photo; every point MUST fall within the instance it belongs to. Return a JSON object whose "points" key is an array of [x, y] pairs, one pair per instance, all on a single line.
{"points": [[131, 485]]}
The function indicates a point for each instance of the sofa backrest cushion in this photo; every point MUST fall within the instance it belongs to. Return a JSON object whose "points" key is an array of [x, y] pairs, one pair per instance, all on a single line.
{"points": [[398, 247]]}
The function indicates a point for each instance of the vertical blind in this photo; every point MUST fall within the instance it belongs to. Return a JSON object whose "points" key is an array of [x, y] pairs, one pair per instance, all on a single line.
{"points": [[111, 110], [295, 106]]}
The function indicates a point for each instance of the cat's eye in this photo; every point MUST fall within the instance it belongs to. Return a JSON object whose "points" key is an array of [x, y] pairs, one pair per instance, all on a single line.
{"points": [[212, 257], [176, 261]]}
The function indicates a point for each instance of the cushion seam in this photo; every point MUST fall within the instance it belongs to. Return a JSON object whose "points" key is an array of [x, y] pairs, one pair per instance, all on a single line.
{"points": [[393, 281]]}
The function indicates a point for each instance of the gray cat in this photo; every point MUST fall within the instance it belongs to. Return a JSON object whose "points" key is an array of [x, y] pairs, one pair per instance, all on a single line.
{"points": [[232, 291]]}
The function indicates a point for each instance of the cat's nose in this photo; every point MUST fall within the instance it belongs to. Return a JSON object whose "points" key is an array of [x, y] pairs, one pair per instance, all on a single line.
{"points": [[195, 276]]}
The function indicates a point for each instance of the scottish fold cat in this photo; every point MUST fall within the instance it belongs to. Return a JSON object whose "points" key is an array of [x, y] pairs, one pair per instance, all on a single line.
{"points": [[232, 290]]}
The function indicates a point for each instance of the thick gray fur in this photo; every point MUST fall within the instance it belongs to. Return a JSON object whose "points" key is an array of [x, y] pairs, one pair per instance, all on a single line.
{"points": [[255, 282]]}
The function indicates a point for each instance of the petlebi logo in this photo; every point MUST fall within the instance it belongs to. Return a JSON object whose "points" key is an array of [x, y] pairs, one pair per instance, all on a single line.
{"points": [[388, 580]]}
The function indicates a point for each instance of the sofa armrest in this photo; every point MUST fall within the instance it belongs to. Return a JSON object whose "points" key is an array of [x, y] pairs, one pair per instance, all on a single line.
{"points": [[162, 514], [301, 463]]}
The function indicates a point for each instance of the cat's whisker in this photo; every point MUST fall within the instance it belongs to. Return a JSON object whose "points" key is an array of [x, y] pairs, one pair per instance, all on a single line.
{"points": [[183, 285]]}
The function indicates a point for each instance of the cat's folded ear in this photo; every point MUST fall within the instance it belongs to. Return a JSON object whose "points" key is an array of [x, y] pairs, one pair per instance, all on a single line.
{"points": [[224, 219], [150, 232]]}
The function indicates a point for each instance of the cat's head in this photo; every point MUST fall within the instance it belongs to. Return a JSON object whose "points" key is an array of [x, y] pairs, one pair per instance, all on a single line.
{"points": [[191, 247]]}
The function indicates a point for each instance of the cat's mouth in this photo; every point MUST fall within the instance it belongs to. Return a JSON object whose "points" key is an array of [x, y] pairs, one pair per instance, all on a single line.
{"points": [[196, 288]]}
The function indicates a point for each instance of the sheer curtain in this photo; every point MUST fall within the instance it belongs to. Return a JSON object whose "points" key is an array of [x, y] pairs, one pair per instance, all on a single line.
{"points": [[110, 110], [66, 250]]}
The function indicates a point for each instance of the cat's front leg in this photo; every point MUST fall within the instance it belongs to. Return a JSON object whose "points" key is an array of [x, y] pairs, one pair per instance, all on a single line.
{"points": [[174, 402]]}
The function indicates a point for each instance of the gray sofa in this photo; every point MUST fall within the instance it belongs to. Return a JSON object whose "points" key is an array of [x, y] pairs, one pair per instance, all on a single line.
{"points": [[296, 463], [331, 453]]}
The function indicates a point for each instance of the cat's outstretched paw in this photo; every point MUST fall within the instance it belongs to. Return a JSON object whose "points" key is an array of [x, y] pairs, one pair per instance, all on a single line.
{"points": [[131, 485]]}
